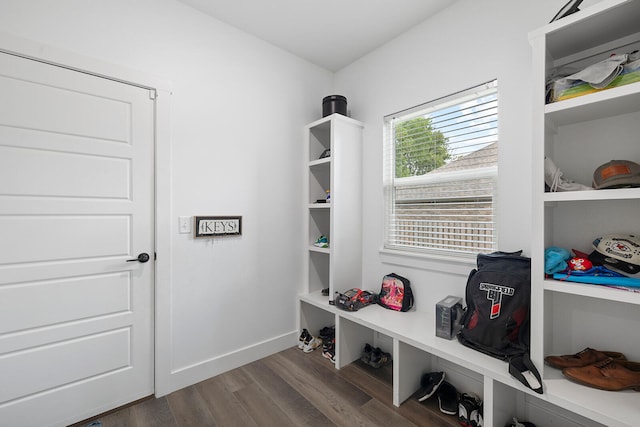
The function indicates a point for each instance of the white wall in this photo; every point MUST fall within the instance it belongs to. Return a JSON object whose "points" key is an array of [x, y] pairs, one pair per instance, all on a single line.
{"points": [[467, 44], [237, 111]]}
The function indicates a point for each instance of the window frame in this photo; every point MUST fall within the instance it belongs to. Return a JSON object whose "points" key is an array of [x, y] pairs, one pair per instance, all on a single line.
{"points": [[390, 249]]}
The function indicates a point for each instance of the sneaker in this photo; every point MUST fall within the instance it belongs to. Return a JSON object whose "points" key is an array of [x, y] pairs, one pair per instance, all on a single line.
{"points": [[330, 354], [329, 350], [312, 344], [326, 153], [379, 358], [448, 399], [321, 242], [555, 180], [306, 341], [366, 354], [328, 344], [303, 336], [328, 337], [470, 410], [429, 385], [327, 333]]}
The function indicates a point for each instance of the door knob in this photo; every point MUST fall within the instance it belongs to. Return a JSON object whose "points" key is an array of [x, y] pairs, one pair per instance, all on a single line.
{"points": [[143, 257]]}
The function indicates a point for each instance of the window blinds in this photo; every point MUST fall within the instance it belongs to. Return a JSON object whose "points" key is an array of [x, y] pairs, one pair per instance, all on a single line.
{"points": [[440, 174]]}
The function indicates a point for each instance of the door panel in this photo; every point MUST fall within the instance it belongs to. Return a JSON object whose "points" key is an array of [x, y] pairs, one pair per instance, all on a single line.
{"points": [[103, 177], [76, 202], [80, 106], [51, 238], [48, 366], [94, 296]]}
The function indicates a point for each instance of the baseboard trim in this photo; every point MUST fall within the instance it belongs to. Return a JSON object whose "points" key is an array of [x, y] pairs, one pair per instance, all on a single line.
{"points": [[192, 374]]}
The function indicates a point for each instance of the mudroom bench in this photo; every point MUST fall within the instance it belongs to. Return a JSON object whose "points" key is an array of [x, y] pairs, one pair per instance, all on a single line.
{"points": [[410, 338]]}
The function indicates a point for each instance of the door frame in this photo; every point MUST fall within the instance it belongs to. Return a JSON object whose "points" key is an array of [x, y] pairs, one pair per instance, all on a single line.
{"points": [[28, 49]]}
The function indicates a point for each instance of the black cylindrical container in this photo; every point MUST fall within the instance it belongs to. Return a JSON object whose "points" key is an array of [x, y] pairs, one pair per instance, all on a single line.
{"points": [[334, 104]]}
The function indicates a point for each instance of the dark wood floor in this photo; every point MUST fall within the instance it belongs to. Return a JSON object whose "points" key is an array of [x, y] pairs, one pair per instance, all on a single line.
{"points": [[289, 388]]}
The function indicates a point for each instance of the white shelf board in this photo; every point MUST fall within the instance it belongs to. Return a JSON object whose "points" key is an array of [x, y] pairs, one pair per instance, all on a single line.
{"points": [[319, 205], [620, 408], [319, 162], [607, 103], [593, 291], [325, 121], [321, 250], [317, 299], [592, 195]]}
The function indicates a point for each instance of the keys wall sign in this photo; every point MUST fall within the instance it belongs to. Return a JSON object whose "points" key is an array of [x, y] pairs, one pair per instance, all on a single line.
{"points": [[210, 226]]}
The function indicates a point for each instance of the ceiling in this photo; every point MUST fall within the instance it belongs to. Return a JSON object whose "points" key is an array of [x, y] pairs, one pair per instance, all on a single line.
{"points": [[330, 33]]}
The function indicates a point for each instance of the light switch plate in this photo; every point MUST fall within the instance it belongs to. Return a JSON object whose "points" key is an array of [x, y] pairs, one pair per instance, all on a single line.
{"points": [[184, 224]]}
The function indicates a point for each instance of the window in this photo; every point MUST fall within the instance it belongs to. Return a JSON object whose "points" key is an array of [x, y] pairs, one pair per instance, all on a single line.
{"points": [[441, 165]]}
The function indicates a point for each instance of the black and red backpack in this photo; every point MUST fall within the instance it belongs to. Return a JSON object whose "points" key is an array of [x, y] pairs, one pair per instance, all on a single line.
{"points": [[498, 297]]}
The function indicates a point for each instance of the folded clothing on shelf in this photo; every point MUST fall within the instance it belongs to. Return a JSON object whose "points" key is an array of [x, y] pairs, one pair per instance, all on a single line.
{"points": [[618, 70]]}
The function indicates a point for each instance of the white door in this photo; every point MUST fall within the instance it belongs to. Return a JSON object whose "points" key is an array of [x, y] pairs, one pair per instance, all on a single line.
{"points": [[76, 202]]}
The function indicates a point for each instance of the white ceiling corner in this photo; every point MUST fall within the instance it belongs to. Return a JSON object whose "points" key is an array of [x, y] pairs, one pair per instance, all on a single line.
{"points": [[330, 33]]}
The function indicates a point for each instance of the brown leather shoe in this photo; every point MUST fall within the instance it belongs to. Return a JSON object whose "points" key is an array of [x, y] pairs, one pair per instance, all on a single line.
{"points": [[610, 374], [586, 357]]}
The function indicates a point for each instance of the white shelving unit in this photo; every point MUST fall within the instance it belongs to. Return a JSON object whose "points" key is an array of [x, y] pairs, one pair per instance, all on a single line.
{"points": [[580, 134], [338, 267]]}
